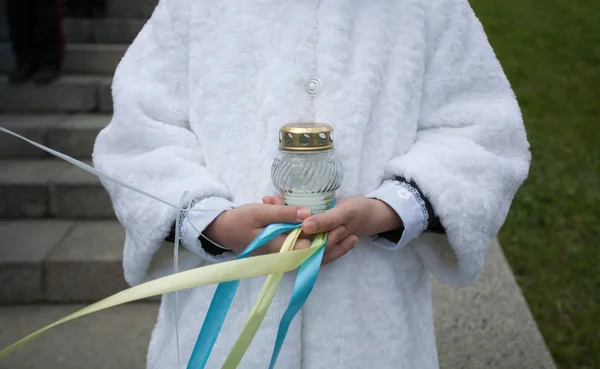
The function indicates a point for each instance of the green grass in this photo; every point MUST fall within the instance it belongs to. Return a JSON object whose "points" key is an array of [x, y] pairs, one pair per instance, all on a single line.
{"points": [[550, 51]]}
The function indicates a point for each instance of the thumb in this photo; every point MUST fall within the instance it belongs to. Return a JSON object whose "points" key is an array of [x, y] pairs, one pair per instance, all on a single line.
{"points": [[323, 222], [269, 214]]}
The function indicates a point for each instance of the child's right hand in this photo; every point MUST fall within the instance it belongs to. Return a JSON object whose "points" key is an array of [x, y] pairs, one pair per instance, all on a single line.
{"points": [[235, 229]]}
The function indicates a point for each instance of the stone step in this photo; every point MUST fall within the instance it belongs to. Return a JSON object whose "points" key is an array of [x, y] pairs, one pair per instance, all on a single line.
{"points": [[116, 338], [73, 135], [117, 8], [79, 58], [70, 94], [61, 261], [95, 30], [51, 188], [487, 325]]}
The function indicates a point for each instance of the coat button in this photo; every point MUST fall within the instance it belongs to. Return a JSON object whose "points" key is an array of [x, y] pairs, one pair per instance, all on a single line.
{"points": [[314, 87]]}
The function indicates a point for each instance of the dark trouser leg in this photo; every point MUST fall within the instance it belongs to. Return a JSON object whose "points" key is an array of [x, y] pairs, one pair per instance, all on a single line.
{"points": [[49, 43], [21, 27]]}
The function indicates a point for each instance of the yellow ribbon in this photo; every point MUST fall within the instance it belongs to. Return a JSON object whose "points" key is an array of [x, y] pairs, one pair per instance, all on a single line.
{"points": [[263, 302], [216, 273], [257, 315]]}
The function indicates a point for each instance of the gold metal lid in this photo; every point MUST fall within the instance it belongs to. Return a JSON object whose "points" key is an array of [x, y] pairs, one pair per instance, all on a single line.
{"points": [[306, 137]]}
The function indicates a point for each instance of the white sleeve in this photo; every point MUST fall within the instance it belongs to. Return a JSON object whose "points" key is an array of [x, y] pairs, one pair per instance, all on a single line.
{"points": [[471, 152], [196, 221], [410, 207], [148, 143]]}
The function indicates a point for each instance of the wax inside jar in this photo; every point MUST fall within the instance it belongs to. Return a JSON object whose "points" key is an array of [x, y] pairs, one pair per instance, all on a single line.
{"points": [[307, 178]]}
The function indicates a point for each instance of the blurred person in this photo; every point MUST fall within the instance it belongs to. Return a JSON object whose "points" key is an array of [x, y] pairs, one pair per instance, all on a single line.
{"points": [[35, 29]]}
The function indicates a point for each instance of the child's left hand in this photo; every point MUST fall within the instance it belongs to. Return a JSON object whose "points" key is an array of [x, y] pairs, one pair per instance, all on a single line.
{"points": [[351, 218]]}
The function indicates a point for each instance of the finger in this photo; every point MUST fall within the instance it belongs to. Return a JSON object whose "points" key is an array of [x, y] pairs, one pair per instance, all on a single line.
{"points": [[340, 249], [274, 245], [270, 214], [302, 244], [273, 200], [336, 236], [323, 222], [268, 200], [307, 236], [278, 200]]}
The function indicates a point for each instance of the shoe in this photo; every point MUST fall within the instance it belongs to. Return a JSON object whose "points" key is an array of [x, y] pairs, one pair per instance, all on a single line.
{"points": [[21, 73], [46, 74]]}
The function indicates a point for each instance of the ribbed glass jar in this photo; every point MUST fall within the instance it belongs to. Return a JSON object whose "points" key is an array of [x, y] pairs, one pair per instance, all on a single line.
{"points": [[307, 178]]}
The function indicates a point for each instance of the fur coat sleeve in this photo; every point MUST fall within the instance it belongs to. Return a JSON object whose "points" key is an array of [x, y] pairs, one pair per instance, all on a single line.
{"points": [[471, 153], [148, 143]]}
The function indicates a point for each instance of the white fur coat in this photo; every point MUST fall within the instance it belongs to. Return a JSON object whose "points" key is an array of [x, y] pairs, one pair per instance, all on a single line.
{"points": [[411, 87]]}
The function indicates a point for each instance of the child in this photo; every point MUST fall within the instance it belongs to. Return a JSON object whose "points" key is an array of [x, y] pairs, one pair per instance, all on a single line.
{"points": [[427, 128]]}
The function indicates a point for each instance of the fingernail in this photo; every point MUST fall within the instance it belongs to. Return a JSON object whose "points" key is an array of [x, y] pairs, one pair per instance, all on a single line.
{"points": [[310, 226], [263, 199], [354, 243], [303, 214]]}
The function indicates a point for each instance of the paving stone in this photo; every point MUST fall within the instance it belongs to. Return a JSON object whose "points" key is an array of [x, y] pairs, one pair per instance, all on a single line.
{"points": [[24, 186], [488, 325], [87, 264], [116, 338], [75, 136], [23, 247], [33, 127], [79, 194], [68, 94]]}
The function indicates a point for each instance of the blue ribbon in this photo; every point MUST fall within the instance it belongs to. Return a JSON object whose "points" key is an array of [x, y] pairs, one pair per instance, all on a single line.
{"points": [[305, 281], [221, 302], [223, 297]]}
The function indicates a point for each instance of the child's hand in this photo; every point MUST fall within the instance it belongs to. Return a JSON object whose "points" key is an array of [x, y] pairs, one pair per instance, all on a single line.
{"points": [[236, 228], [351, 218], [339, 241]]}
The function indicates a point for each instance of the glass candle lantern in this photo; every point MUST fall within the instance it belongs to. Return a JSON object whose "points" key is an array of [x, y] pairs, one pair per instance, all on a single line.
{"points": [[306, 171]]}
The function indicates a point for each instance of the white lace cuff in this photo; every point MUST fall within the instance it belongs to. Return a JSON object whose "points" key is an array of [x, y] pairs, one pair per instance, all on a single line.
{"points": [[410, 207], [197, 221]]}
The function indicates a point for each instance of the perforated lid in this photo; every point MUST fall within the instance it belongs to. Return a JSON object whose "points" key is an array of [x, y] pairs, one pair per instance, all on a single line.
{"points": [[306, 137]]}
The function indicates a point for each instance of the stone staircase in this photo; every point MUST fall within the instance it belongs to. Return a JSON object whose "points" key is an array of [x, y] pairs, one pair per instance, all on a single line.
{"points": [[60, 244], [59, 240]]}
